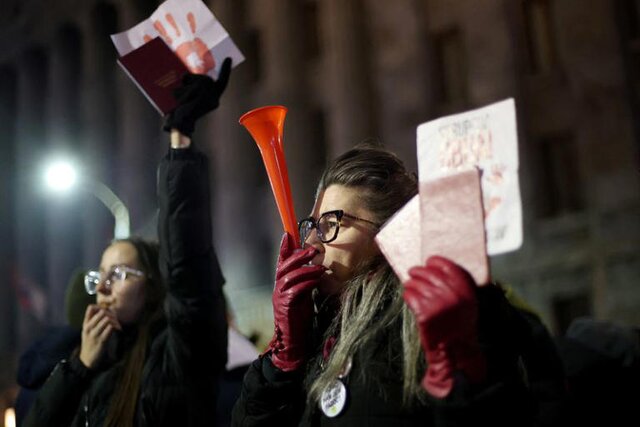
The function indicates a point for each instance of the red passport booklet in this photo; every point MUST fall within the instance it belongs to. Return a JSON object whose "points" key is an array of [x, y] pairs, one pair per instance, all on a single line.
{"points": [[157, 71]]}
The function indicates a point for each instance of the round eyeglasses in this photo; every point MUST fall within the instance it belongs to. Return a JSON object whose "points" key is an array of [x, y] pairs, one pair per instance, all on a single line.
{"points": [[119, 273], [327, 226]]}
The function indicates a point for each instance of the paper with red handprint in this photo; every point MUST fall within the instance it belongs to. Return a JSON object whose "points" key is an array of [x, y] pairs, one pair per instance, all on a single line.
{"points": [[485, 138], [190, 29]]}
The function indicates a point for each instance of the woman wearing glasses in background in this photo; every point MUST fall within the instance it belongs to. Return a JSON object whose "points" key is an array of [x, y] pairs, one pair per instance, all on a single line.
{"points": [[352, 346], [155, 343]]}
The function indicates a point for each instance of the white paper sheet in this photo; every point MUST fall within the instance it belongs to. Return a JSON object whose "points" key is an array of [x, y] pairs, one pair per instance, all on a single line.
{"points": [[485, 138]]}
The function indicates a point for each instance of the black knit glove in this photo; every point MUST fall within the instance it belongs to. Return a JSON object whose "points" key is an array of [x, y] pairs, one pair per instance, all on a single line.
{"points": [[198, 95]]}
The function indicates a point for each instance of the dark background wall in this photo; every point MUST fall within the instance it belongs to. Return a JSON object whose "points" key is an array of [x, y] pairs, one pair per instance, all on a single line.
{"points": [[347, 70]]}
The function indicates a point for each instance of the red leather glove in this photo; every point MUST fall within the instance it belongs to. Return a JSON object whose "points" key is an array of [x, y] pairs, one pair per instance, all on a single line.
{"points": [[442, 297], [292, 305]]}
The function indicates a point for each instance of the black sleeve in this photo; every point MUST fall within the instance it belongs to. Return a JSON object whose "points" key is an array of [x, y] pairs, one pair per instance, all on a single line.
{"points": [[504, 399], [525, 385], [194, 347], [545, 375], [498, 403], [517, 336], [60, 397], [269, 397], [194, 305]]}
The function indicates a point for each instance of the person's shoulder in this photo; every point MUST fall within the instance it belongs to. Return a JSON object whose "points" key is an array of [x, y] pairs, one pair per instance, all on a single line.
{"points": [[37, 361]]}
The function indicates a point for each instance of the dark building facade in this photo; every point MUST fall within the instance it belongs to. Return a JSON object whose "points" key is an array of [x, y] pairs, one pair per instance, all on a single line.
{"points": [[347, 70]]}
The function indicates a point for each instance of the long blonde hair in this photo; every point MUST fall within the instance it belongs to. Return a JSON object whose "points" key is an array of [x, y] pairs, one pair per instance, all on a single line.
{"points": [[371, 302]]}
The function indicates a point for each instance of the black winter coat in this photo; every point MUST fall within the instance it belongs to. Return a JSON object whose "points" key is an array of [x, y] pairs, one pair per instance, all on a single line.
{"points": [[189, 348], [271, 397]]}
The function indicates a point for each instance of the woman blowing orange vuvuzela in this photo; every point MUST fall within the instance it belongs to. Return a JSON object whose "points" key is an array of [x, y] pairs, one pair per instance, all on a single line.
{"points": [[353, 346]]}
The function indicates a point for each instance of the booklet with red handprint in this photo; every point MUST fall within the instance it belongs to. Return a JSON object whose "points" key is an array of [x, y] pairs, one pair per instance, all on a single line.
{"points": [[189, 30], [157, 71]]}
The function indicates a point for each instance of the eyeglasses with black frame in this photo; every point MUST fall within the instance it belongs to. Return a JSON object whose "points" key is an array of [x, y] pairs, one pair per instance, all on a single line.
{"points": [[327, 226], [119, 273]]}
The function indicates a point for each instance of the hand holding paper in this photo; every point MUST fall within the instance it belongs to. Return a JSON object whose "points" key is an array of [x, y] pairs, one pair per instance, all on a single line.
{"points": [[442, 298]]}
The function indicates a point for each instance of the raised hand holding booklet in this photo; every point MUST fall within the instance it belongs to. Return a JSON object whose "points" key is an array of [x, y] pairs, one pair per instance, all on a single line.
{"points": [[190, 31]]}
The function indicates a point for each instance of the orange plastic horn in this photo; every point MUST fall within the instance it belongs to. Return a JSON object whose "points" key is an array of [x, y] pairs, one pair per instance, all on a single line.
{"points": [[266, 126]]}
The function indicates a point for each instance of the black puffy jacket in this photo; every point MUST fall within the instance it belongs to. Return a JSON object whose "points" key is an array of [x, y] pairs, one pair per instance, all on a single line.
{"points": [[523, 387], [189, 348]]}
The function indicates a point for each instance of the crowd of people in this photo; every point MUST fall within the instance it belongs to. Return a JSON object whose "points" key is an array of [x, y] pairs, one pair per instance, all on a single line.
{"points": [[352, 344]]}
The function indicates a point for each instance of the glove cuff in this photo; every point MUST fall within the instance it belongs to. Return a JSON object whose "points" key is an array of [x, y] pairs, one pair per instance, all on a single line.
{"points": [[471, 361], [186, 127], [285, 357], [285, 364], [438, 380], [442, 362]]}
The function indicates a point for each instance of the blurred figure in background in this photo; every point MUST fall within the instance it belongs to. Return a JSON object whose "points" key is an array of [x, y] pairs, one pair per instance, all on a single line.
{"points": [[241, 352], [37, 362], [541, 361], [602, 363]]}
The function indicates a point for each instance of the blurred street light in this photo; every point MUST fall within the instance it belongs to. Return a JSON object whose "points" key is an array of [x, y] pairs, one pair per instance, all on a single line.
{"points": [[61, 176], [9, 417]]}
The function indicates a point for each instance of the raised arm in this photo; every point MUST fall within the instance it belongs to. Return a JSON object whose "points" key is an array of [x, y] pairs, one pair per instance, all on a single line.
{"points": [[194, 306]]}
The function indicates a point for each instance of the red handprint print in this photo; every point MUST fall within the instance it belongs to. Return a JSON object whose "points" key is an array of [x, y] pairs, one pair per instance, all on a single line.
{"points": [[194, 53], [497, 174], [496, 179], [491, 204]]}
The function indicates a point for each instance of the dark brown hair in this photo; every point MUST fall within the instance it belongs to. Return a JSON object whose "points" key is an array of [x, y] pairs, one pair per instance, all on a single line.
{"points": [[125, 396], [386, 184]]}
